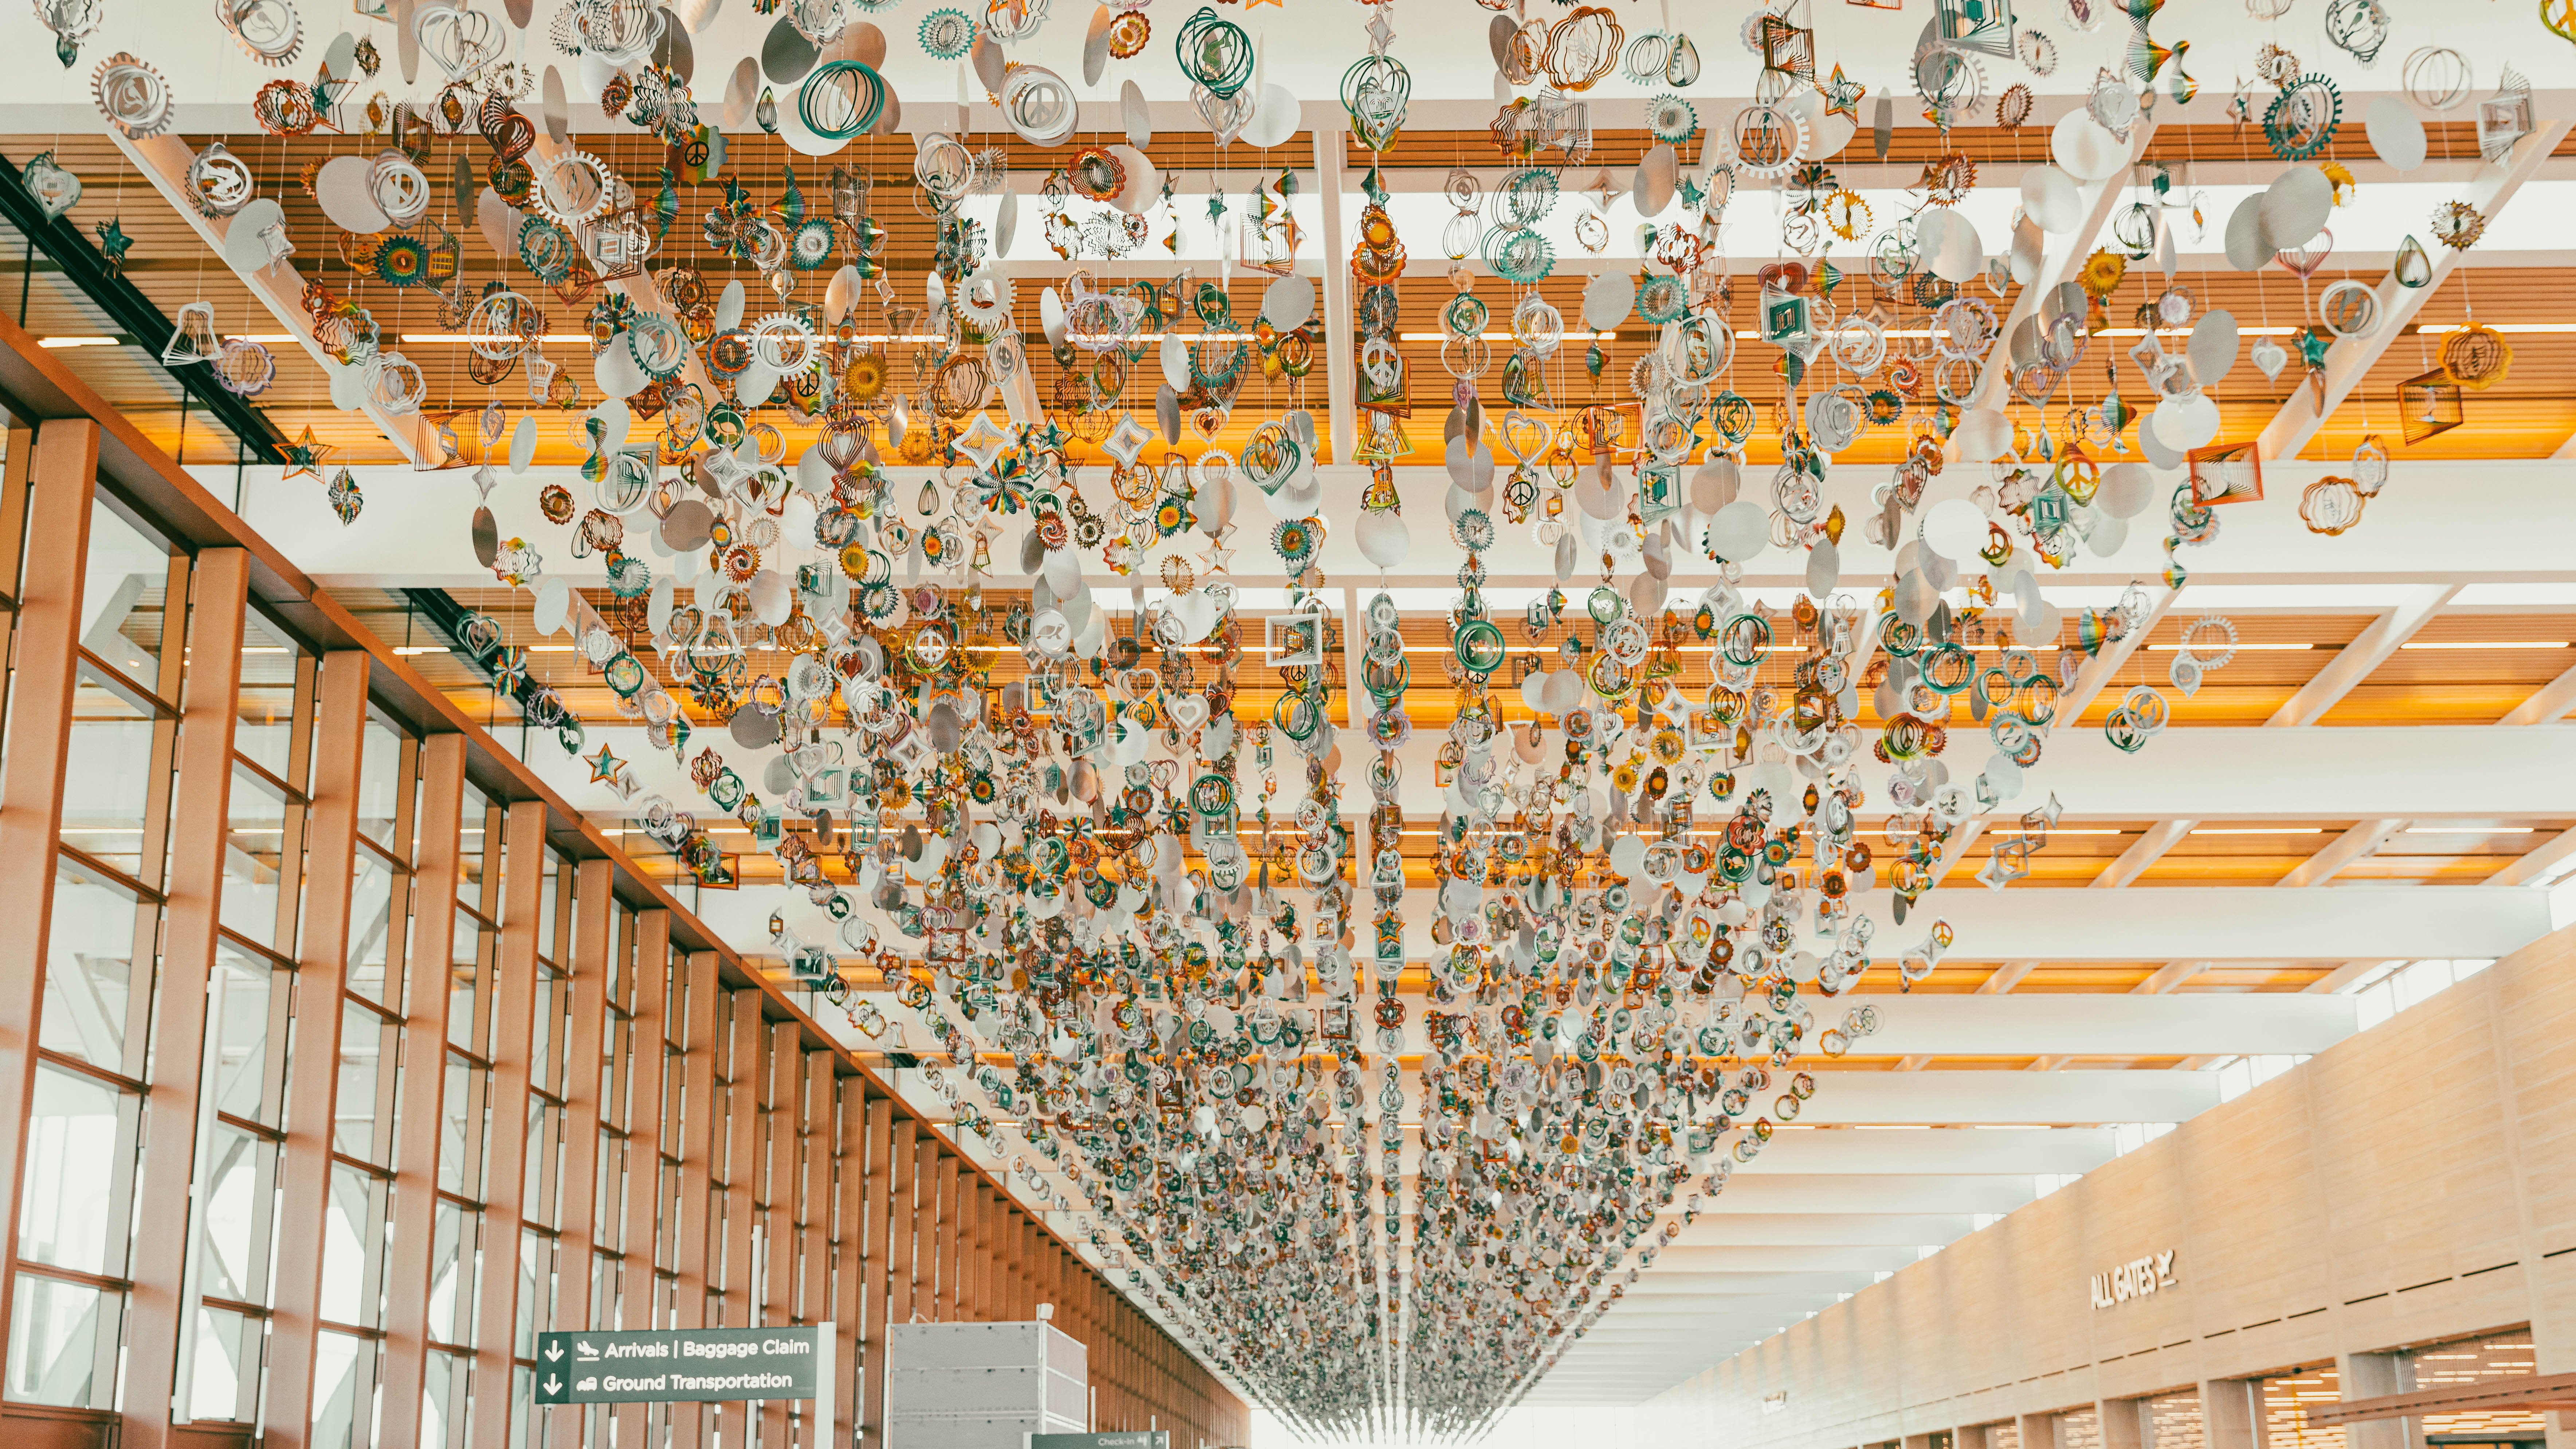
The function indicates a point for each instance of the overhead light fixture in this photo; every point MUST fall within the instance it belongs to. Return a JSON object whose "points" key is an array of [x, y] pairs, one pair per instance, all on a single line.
{"points": [[59, 343]]}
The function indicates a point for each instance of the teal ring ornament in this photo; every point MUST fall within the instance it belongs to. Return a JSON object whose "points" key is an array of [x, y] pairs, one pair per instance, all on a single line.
{"points": [[841, 99]]}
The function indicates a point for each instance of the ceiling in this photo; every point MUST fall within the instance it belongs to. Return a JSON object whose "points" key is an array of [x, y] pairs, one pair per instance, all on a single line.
{"points": [[2376, 776]]}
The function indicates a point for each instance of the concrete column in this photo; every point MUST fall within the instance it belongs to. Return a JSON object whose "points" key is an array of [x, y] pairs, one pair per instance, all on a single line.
{"points": [[2038, 1431], [2374, 1376], [2124, 1423], [2227, 1414]]}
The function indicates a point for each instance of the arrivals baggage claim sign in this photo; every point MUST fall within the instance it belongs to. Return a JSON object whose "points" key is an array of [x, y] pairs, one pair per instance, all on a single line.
{"points": [[688, 1365]]}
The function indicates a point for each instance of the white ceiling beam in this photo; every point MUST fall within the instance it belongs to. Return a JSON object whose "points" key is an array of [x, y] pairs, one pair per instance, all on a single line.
{"points": [[2005, 1098], [2538, 864], [2356, 844], [1948, 1151], [2548, 706], [2143, 853], [2091, 1024], [2319, 775], [2350, 359], [2106, 664], [1341, 365], [1757, 1257], [1659, 1299], [2334, 982], [2412, 537], [1899, 1228], [164, 161], [1754, 1192], [2169, 979], [2356, 660], [2006, 977], [2227, 923], [2059, 258]]}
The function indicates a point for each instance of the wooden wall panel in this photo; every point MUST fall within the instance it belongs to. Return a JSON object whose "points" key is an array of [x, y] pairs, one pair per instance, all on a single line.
{"points": [[2413, 1183]]}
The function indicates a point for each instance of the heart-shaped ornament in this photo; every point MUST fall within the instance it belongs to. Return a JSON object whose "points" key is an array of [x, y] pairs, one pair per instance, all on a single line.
{"points": [[2268, 357], [457, 41], [56, 190], [2303, 261]]}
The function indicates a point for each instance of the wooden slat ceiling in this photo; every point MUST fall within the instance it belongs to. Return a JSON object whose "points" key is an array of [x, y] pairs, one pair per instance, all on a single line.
{"points": [[2523, 415]]}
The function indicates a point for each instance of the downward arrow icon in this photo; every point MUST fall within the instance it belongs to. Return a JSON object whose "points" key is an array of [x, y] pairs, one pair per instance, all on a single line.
{"points": [[553, 1385], [554, 1352]]}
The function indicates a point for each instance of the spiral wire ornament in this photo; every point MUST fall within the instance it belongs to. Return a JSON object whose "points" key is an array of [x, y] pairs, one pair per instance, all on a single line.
{"points": [[1214, 53]]}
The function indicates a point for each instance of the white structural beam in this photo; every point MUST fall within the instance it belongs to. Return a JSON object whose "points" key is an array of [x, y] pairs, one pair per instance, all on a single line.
{"points": [[2239, 774], [2169, 979], [2548, 706], [2223, 923], [2350, 359], [2073, 1024], [164, 161], [2058, 260], [1756, 1192], [2006, 977], [2427, 525], [2144, 852], [1961, 1097], [1898, 1227], [2355, 661], [2425, 774], [2107, 663], [2544, 862], [1341, 371], [1932, 1151], [2343, 976], [2358, 843], [2164, 923]]}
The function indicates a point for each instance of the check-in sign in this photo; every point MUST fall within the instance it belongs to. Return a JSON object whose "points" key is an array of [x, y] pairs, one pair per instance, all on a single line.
{"points": [[686, 1365]]}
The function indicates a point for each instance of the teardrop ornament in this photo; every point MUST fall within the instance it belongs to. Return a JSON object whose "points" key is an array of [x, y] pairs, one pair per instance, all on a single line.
{"points": [[2412, 268]]}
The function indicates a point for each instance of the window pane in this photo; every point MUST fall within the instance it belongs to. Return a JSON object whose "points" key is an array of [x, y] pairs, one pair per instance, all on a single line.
{"points": [[89, 973], [470, 845], [241, 1199], [254, 843], [367, 1047], [351, 1260], [69, 1207], [371, 930], [452, 1261], [460, 1137], [107, 777], [337, 1361], [55, 1330], [127, 582], [464, 984], [226, 1363], [250, 1066], [379, 779], [263, 728]]}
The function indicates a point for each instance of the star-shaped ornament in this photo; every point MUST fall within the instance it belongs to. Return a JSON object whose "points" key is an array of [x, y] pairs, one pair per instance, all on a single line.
{"points": [[113, 244], [604, 766], [1843, 95], [304, 456]]}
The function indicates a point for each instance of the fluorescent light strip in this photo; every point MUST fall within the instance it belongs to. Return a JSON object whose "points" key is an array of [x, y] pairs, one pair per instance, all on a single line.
{"points": [[2471, 829], [59, 343], [2260, 830], [2486, 644], [2242, 648]]}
